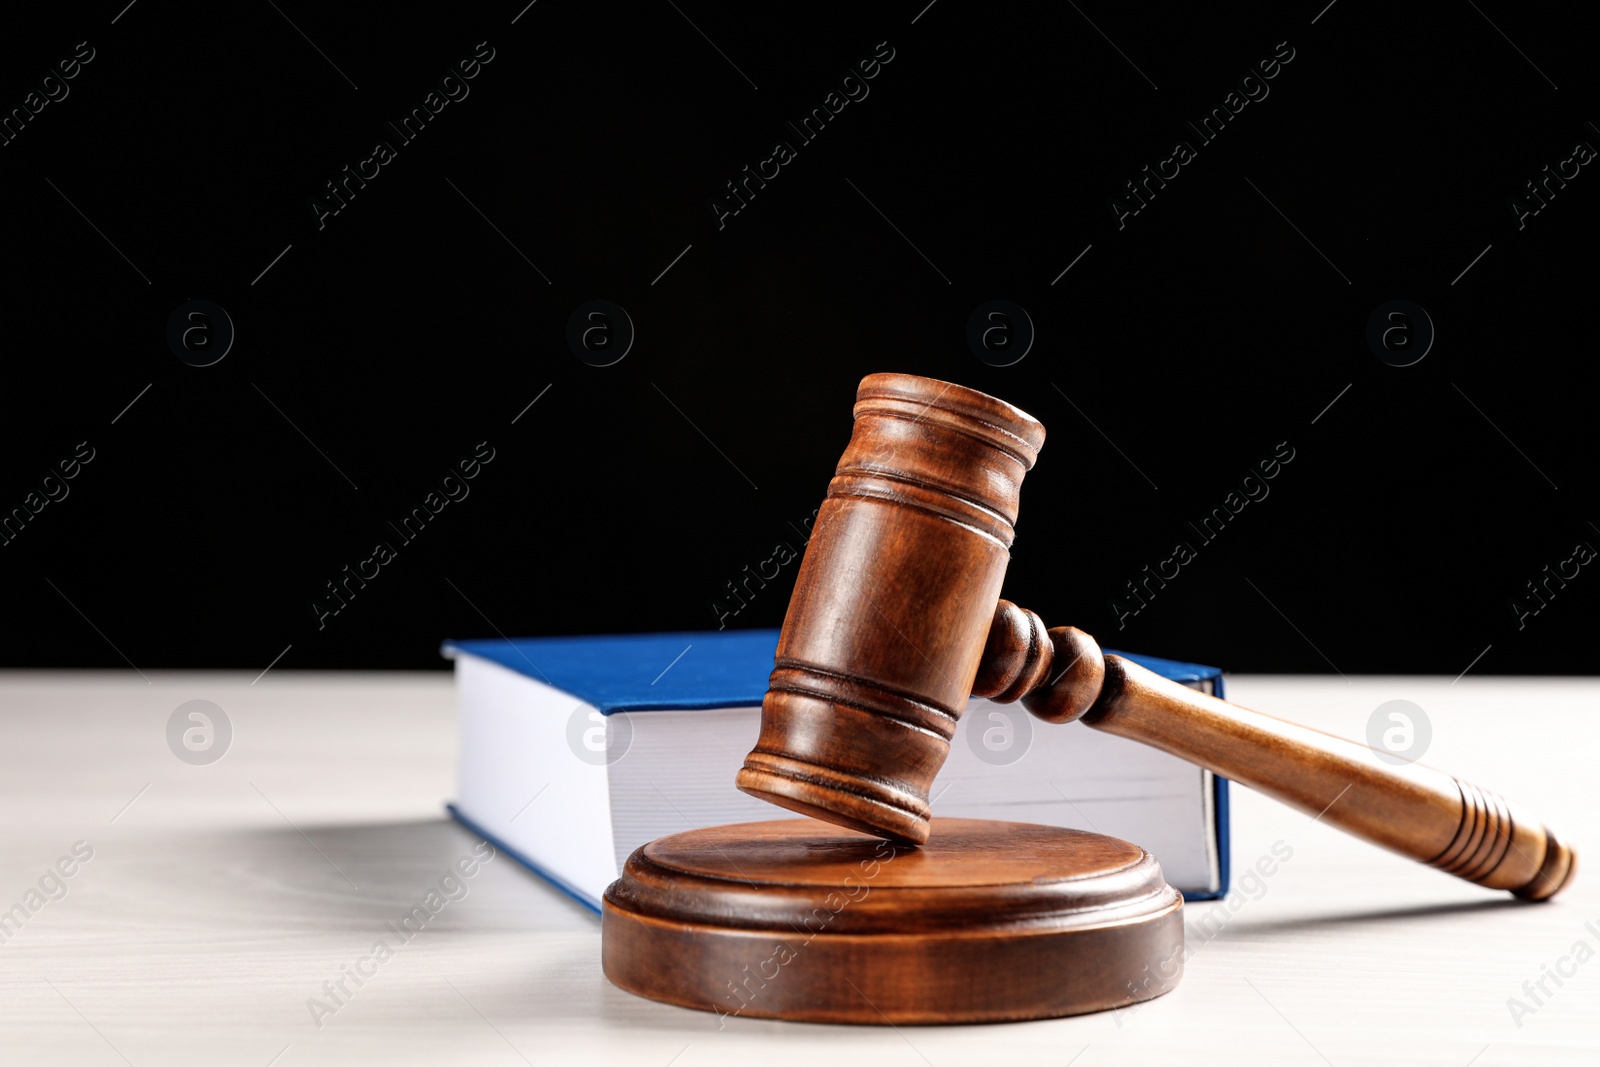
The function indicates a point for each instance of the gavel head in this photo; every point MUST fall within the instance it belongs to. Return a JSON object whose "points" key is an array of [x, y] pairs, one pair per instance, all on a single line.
{"points": [[893, 605]]}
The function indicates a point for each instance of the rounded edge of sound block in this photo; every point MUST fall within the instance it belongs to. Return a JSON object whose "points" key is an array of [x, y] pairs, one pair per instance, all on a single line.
{"points": [[801, 920]]}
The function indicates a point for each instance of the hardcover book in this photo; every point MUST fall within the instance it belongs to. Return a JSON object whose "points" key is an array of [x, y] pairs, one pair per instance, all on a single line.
{"points": [[577, 750]]}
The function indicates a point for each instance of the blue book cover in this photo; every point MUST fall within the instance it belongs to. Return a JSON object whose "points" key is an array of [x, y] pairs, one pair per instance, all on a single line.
{"points": [[678, 672]]}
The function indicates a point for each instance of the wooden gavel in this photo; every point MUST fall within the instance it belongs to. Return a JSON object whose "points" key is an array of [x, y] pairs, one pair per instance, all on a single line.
{"points": [[896, 619]]}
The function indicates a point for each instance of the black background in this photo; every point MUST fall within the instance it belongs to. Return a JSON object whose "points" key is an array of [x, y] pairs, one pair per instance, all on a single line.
{"points": [[414, 324]]}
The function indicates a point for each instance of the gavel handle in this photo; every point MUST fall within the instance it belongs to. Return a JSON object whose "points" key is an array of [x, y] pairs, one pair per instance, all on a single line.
{"points": [[1411, 809]]}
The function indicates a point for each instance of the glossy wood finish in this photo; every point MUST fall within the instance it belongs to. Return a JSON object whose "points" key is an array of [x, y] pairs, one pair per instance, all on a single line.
{"points": [[892, 605], [896, 618], [1411, 809], [798, 919]]}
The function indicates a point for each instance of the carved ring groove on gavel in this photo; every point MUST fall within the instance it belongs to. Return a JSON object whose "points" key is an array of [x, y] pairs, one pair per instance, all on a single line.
{"points": [[896, 619]]}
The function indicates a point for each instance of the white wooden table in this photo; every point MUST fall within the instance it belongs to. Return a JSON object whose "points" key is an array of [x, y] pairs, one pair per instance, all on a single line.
{"points": [[223, 897]]}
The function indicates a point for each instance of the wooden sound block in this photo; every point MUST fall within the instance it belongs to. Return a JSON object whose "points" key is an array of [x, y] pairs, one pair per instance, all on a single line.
{"points": [[800, 919]]}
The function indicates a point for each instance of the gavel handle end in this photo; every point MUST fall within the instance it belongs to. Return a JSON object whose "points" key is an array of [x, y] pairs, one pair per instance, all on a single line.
{"points": [[1555, 873], [1061, 675], [1415, 810]]}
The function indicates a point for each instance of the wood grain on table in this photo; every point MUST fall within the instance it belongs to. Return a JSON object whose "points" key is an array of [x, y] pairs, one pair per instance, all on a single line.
{"points": [[223, 903]]}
